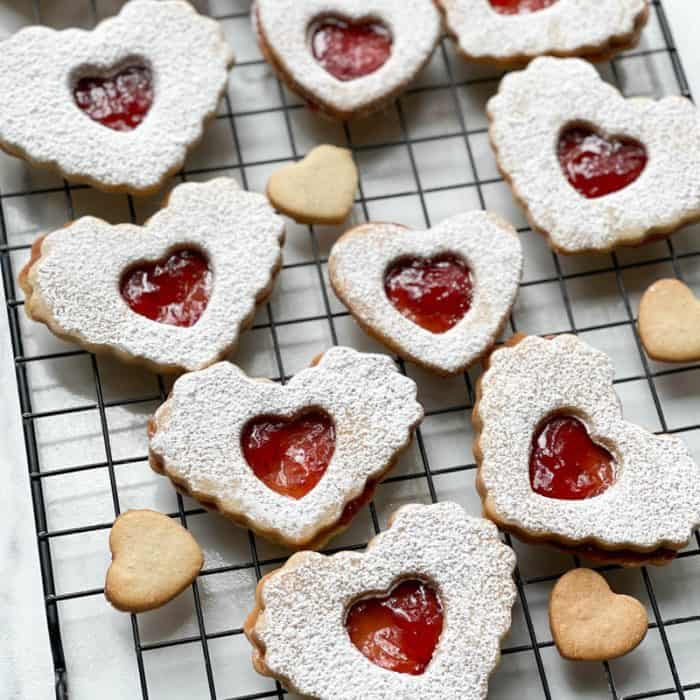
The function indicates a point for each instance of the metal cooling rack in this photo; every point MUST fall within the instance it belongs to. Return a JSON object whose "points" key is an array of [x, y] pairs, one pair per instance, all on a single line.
{"points": [[425, 158]]}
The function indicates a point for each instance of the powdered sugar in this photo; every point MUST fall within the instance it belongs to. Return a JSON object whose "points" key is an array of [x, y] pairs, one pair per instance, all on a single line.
{"points": [[655, 501], [197, 440], [39, 119], [527, 116], [284, 27], [569, 27], [489, 245], [301, 626], [74, 286]]}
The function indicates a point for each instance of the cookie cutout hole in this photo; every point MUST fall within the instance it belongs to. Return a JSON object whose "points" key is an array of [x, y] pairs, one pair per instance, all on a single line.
{"points": [[350, 50], [596, 165], [289, 455], [398, 631], [119, 98], [566, 464], [434, 293], [520, 7], [173, 290]]}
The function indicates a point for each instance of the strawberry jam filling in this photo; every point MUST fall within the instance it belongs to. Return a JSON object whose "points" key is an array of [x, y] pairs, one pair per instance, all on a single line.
{"points": [[520, 7], [596, 166], [174, 290], [119, 101], [400, 631], [434, 293], [289, 456], [350, 50], [566, 464]]}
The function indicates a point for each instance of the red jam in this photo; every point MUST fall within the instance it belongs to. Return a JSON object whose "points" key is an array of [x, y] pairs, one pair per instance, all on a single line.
{"points": [[596, 166], [289, 456], [434, 293], [400, 631], [174, 290], [520, 7], [120, 101], [349, 51], [566, 464]]}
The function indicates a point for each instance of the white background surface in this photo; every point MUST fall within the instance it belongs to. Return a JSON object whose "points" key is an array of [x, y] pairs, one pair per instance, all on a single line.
{"points": [[98, 641]]}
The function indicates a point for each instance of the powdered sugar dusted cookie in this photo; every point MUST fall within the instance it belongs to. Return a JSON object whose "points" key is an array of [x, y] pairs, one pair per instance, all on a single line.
{"points": [[558, 464], [508, 32], [439, 297], [117, 107], [294, 463], [592, 169], [347, 58], [172, 295], [418, 615]]}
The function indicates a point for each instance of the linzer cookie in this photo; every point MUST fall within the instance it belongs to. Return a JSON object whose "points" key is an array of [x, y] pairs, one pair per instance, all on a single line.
{"points": [[559, 465], [117, 107], [347, 58], [172, 295], [512, 32], [592, 169], [420, 614], [295, 462], [440, 297]]}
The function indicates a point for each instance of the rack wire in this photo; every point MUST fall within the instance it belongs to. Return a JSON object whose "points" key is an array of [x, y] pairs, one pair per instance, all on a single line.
{"points": [[534, 648]]}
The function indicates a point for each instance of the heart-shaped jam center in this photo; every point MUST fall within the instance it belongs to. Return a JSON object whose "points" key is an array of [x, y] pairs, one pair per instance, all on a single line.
{"points": [[595, 165], [119, 100], [400, 631], [566, 464], [174, 290], [434, 293], [520, 7], [350, 50], [289, 456]]}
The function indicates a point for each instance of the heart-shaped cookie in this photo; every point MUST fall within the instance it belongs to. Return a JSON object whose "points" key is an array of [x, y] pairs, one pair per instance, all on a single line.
{"points": [[117, 107], [512, 32], [669, 322], [439, 297], [592, 169], [172, 295], [318, 190], [591, 623], [296, 462], [153, 560], [558, 464], [347, 58], [420, 614]]}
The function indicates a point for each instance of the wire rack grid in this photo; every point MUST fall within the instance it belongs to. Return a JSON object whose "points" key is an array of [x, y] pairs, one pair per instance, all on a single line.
{"points": [[425, 158]]}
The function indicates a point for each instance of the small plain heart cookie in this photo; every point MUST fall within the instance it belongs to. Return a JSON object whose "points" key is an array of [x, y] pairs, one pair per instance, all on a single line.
{"points": [[420, 614], [440, 297], [512, 32], [153, 560], [293, 462], [592, 169], [347, 58], [559, 465], [669, 322], [318, 190], [172, 295], [591, 623], [117, 107]]}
